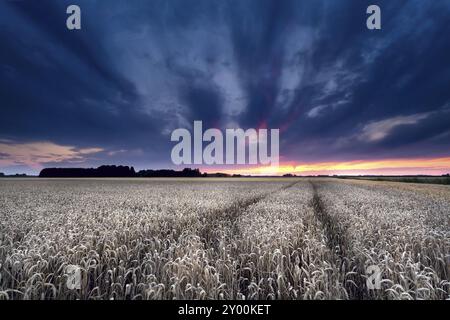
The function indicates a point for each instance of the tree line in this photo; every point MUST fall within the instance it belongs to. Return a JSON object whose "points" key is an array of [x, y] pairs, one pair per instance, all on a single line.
{"points": [[112, 171]]}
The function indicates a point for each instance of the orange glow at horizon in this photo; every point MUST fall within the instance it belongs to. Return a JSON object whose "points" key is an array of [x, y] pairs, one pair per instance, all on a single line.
{"points": [[436, 166]]}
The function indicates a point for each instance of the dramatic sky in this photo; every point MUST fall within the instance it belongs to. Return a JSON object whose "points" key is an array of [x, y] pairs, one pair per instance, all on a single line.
{"points": [[346, 99]]}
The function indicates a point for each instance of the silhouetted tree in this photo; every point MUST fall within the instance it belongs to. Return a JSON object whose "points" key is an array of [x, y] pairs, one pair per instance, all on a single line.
{"points": [[100, 172], [187, 172], [116, 171]]}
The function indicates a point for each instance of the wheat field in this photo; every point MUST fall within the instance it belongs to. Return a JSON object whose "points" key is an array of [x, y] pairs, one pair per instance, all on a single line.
{"points": [[261, 238]]}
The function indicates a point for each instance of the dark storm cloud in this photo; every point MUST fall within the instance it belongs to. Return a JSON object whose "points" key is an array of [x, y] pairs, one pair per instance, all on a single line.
{"points": [[61, 86], [399, 71], [139, 69]]}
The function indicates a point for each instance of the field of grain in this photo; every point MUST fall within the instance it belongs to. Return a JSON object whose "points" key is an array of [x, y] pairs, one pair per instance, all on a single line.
{"points": [[223, 239], [408, 179]]}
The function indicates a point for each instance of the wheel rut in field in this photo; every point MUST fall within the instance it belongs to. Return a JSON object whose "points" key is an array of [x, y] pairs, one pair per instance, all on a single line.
{"points": [[222, 226], [218, 219], [338, 243]]}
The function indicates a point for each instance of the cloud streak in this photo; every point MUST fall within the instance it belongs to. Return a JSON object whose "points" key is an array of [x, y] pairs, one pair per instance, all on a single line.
{"points": [[379, 130], [36, 154]]}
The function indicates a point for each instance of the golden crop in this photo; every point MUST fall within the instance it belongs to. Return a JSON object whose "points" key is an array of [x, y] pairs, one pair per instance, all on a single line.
{"points": [[223, 239]]}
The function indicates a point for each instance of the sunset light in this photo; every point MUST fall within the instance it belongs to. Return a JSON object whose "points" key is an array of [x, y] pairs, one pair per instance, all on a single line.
{"points": [[435, 166]]}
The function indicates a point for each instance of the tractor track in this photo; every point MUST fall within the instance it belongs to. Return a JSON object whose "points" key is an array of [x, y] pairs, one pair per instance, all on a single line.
{"points": [[340, 246], [228, 218]]}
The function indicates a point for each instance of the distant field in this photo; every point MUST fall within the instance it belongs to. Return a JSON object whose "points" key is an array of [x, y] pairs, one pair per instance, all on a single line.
{"points": [[266, 238], [431, 180]]}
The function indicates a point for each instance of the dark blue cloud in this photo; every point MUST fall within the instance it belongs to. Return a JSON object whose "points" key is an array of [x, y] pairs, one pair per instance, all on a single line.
{"points": [[139, 69]]}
